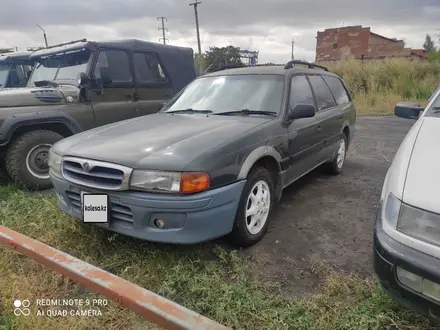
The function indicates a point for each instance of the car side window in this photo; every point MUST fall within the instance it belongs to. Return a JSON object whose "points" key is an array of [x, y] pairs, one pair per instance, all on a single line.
{"points": [[113, 66], [300, 92], [147, 68], [323, 94], [338, 90]]}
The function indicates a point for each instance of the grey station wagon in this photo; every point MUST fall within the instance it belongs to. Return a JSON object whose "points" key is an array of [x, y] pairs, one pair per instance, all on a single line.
{"points": [[213, 161]]}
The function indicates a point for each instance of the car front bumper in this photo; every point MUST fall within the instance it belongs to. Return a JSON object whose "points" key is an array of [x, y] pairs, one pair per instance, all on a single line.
{"points": [[390, 254], [188, 219]]}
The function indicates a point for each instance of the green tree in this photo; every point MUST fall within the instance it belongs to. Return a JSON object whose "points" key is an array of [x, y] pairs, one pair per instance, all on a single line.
{"points": [[217, 57], [429, 45]]}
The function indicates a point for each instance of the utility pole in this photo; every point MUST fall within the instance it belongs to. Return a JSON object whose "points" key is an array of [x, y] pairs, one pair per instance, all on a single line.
{"points": [[195, 4], [44, 34], [163, 29], [293, 45]]}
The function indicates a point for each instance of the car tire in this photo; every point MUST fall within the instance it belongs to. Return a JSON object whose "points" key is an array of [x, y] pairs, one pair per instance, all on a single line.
{"points": [[336, 165], [249, 229], [26, 159]]}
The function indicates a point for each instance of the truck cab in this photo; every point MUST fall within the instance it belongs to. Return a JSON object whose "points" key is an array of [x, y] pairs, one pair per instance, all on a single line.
{"points": [[80, 85]]}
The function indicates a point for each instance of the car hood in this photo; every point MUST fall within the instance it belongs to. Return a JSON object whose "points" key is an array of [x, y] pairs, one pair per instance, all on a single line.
{"points": [[422, 184], [35, 96], [169, 140]]}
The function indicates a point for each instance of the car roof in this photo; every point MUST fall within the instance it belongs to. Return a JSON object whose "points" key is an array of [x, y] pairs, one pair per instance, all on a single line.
{"points": [[268, 70], [132, 44], [13, 56]]}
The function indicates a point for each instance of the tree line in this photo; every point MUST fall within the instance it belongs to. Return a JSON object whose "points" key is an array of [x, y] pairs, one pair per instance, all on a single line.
{"points": [[431, 47]]}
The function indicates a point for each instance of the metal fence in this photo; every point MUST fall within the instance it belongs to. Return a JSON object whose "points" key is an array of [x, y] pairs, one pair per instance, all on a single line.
{"points": [[151, 306]]}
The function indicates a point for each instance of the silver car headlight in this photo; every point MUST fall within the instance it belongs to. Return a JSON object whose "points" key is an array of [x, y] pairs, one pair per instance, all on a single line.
{"points": [[171, 182], [420, 224], [54, 162]]}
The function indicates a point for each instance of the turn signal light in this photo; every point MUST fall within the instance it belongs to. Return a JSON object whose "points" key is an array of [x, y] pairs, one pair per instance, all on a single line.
{"points": [[193, 182]]}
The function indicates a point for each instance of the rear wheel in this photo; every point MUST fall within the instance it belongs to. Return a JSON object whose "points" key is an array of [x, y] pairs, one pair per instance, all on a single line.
{"points": [[335, 167], [252, 218], [27, 159]]}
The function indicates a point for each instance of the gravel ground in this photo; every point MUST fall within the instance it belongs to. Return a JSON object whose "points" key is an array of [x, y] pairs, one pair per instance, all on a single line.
{"points": [[326, 222]]}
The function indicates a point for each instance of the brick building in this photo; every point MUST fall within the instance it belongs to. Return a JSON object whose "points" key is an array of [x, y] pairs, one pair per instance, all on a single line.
{"points": [[360, 42]]}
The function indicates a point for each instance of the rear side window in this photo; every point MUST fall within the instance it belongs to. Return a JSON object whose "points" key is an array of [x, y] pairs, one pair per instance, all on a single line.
{"points": [[147, 68], [338, 90], [300, 92], [113, 64], [323, 94]]}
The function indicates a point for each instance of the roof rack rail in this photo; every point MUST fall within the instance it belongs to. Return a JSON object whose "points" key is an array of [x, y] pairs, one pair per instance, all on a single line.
{"points": [[67, 43], [290, 64]]}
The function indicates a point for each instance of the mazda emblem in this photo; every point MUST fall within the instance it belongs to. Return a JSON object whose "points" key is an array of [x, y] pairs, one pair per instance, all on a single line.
{"points": [[86, 166]]}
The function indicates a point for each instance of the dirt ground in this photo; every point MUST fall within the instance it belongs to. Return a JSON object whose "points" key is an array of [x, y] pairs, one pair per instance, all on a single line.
{"points": [[326, 222]]}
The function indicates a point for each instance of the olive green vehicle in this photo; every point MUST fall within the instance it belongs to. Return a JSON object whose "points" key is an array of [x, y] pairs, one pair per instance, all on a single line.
{"points": [[81, 85]]}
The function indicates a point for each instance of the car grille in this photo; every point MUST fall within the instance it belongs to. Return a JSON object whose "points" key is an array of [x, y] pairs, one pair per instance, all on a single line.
{"points": [[97, 175], [117, 211]]}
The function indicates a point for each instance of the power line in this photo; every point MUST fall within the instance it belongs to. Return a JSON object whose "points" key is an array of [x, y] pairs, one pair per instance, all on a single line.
{"points": [[163, 19], [195, 4]]}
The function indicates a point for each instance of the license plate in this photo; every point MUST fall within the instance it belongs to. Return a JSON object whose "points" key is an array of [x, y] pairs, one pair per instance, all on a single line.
{"points": [[94, 207]]}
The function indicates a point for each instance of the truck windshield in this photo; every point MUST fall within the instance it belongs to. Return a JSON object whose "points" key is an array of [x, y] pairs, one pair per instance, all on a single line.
{"points": [[60, 68], [220, 94], [4, 69]]}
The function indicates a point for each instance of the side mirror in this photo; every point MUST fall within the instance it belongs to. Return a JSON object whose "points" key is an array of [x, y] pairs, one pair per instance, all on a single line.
{"points": [[301, 111], [83, 79], [408, 110]]}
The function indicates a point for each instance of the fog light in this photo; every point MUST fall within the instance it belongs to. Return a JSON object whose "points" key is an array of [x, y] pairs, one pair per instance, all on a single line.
{"points": [[419, 284], [159, 223], [409, 279], [431, 289]]}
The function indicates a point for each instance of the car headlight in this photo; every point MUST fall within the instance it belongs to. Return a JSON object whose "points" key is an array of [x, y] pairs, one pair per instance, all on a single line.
{"points": [[54, 162], [420, 224], [171, 182], [391, 209]]}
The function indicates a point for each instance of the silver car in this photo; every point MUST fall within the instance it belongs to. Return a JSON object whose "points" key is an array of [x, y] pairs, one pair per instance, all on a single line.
{"points": [[407, 230]]}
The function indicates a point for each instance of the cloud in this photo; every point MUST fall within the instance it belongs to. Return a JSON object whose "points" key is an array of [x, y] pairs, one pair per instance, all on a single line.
{"points": [[265, 25]]}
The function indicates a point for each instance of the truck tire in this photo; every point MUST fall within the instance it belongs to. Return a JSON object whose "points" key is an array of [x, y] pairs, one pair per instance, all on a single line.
{"points": [[26, 159]]}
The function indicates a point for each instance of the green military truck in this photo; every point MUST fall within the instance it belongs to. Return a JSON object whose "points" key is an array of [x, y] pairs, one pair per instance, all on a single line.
{"points": [[80, 85]]}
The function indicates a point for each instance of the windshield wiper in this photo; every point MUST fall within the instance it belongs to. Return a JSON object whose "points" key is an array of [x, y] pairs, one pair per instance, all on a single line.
{"points": [[436, 109], [42, 83], [189, 110], [247, 112]]}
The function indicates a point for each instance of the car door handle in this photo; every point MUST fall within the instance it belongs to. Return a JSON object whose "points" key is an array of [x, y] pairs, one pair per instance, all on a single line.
{"points": [[319, 128], [134, 96]]}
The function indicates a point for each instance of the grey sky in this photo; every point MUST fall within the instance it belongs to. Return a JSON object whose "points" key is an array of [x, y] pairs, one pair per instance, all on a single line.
{"points": [[267, 26]]}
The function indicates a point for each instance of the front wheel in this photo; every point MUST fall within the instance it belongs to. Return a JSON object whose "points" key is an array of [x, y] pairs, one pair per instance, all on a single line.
{"points": [[252, 218], [27, 159]]}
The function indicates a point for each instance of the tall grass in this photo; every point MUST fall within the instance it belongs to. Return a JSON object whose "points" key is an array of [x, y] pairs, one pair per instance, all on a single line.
{"points": [[377, 85]]}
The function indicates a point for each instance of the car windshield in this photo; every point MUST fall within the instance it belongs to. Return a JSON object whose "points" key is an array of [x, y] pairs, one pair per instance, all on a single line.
{"points": [[218, 94], [60, 68], [434, 110], [4, 69]]}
